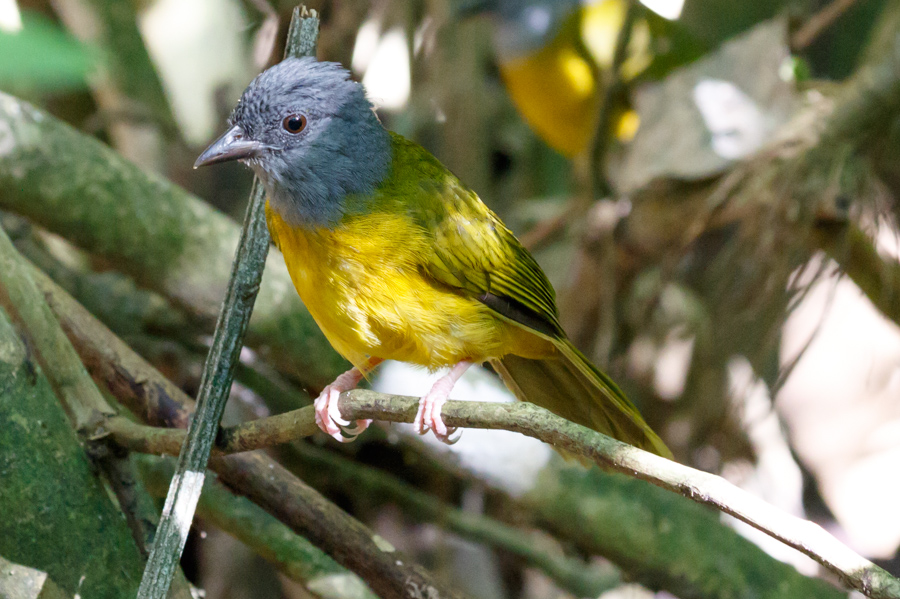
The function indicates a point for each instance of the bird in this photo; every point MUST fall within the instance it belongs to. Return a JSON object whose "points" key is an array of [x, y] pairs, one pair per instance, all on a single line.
{"points": [[396, 259], [554, 58]]}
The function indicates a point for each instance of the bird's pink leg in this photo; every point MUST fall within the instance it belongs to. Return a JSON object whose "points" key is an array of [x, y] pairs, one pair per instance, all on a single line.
{"points": [[328, 415], [429, 414]]}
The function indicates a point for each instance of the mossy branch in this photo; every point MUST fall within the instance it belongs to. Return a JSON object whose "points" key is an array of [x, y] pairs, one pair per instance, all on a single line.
{"points": [[530, 420], [533, 421], [58, 359], [167, 239], [247, 522], [570, 575], [73, 386]]}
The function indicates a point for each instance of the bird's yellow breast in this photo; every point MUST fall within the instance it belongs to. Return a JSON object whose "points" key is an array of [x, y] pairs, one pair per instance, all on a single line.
{"points": [[363, 284]]}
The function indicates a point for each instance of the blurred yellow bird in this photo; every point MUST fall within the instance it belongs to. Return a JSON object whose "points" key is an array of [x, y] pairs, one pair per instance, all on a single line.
{"points": [[554, 55]]}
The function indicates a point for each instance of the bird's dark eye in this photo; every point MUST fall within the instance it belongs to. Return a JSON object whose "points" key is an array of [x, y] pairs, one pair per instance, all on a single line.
{"points": [[294, 123]]}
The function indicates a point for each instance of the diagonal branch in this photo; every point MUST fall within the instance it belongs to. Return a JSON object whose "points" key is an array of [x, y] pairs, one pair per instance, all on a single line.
{"points": [[530, 420], [295, 556], [702, 487], [818, 23]]}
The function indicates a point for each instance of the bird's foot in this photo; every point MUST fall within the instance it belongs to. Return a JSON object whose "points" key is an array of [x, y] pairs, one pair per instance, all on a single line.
{"points": [[429, 415], [328, 414]]}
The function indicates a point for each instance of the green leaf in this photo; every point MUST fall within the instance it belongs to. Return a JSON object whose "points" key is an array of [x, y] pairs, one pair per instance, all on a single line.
{"points": [[42, 56]]}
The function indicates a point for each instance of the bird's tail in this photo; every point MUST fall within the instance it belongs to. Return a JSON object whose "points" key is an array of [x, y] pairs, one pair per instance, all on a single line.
{"points": [[570, 386]]}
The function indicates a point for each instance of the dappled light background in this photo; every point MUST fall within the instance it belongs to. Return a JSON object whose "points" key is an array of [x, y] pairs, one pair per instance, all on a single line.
{"points": [[682, 262]]}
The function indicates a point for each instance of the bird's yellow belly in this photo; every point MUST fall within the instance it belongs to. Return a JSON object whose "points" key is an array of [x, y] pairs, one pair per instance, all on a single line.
{"points": [[362, 285]]}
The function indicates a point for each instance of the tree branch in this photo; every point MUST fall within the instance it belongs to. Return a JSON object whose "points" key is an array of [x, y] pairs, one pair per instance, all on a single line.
{"points": [[250, 524], [58, 359], [247, 436], [72, 384], [530, 420], [702, 487], [572, 575], [818, 23]]}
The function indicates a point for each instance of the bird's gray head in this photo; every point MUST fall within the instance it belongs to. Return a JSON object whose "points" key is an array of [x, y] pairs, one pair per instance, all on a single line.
{"points": [[311, 136]]}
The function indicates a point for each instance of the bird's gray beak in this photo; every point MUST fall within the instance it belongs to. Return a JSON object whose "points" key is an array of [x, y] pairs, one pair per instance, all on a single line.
{"points": [[233, 145]]}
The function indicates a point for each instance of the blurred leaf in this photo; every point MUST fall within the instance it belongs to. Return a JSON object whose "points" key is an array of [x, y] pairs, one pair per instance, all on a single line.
{"points": [[43, 57], [722, 108], [714, 21], [836, 52], [673, 46]]}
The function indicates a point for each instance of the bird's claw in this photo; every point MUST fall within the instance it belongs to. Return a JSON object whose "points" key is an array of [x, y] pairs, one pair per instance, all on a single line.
{"points": [[428, 418], [329, 419], [452, 437]]}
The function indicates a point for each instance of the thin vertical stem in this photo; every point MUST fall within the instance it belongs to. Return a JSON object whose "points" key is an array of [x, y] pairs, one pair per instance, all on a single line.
{"points": [[218, 373], [600, 186]]}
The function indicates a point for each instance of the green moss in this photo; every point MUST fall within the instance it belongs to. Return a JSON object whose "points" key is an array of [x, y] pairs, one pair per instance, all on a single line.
{"points": [[57, 517]]}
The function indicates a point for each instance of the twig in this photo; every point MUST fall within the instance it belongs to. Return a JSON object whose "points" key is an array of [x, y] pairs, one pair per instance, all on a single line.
{"points": [[265, 36], [136, 505], [818, 23], [215, 384], [530, 420], [248, 436], [547, 229], [272, 487], [600, 186], [250, 524]]}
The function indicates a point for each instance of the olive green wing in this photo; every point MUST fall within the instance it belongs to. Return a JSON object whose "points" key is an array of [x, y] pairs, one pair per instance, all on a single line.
{"points": [[472, 251]]}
